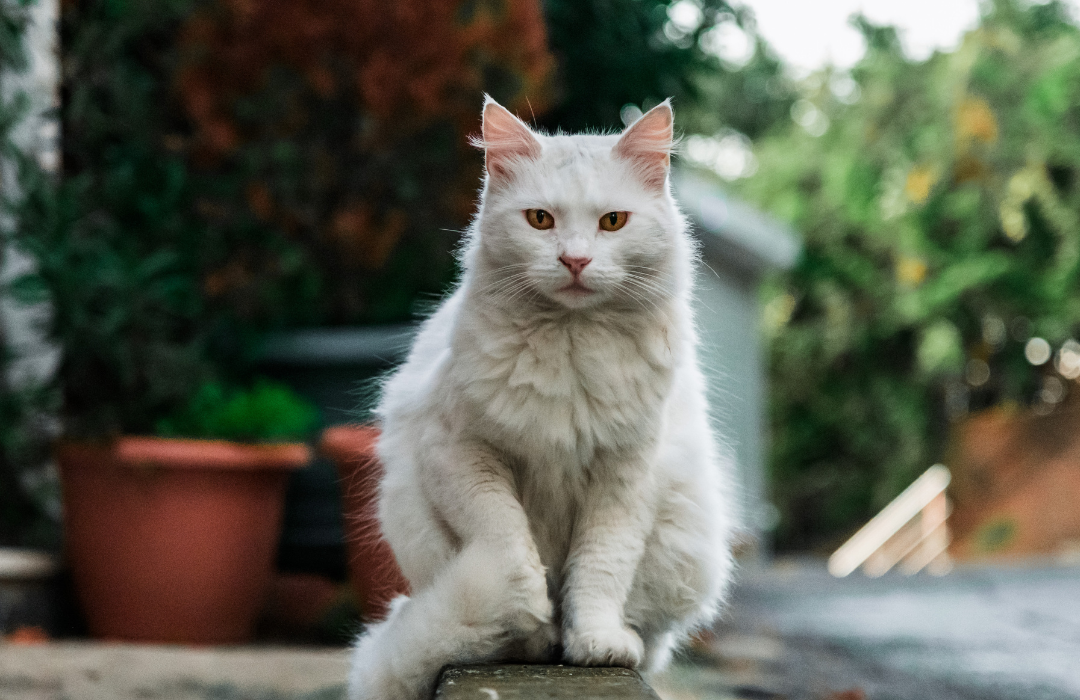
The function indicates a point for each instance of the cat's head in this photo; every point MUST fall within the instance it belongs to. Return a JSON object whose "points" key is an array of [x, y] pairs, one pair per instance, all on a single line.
{"points": [[583, 220]]}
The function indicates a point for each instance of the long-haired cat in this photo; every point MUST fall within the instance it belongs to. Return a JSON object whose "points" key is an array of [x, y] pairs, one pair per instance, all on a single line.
{"points": [[552, 487]]}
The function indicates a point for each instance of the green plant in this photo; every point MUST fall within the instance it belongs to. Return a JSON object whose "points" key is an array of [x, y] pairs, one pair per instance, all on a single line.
{"points": [[941, 214], [205, 201], [267, 412], [612, 53], [118, 254], [24, 402], [24, 438]]}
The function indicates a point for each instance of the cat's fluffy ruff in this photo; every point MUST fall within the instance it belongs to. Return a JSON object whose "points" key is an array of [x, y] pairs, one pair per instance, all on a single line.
{"points": [[551, 478]]}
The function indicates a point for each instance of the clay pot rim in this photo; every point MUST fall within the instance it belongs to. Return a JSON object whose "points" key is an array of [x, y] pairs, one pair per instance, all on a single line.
{"points": [[342, 439], [136, 451]]}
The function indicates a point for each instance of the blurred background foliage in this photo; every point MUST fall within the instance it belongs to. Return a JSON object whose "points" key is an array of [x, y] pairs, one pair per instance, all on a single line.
{"points": [[705, 55], [313, 124], [939, 203], [24, 406], [234, 167]]}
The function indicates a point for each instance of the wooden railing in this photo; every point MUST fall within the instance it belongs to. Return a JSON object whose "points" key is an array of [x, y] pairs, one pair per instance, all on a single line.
{"points": [[911, 532]]}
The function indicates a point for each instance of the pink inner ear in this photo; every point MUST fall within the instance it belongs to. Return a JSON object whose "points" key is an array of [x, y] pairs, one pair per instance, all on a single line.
{"points": [[647, 143], [506, 138]]}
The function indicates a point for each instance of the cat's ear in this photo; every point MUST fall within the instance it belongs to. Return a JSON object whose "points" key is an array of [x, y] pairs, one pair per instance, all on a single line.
{"points": [[505, 138], [647, 143]]}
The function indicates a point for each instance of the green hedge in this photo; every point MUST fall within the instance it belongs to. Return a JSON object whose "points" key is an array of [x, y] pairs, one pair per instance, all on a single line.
{"points": [[941, 214]]}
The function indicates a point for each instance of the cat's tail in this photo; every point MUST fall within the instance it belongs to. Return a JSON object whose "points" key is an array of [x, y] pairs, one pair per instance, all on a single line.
{"points": [[467, 615]]}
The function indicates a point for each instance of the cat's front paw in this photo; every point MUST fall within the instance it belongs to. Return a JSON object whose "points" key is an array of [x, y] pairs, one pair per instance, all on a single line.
{"points": [[604, 646]]}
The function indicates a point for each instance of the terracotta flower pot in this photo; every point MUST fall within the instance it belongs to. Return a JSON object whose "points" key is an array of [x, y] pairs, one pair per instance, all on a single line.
{"points": [[173, 540], [373, 570]]}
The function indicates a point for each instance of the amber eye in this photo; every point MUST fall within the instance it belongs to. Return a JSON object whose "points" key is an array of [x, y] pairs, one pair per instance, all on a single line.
{"points": [[614, 220], [538, 218]]}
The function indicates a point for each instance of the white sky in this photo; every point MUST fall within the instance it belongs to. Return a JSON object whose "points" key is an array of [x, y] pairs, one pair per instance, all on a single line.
{"points": [[810, 33]]}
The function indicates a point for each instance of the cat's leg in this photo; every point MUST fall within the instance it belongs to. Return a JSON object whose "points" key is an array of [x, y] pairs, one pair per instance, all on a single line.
{"points": [[474, 492], [609, 538], [684, 572], [460, 618], [489, 596], [686, 568]]}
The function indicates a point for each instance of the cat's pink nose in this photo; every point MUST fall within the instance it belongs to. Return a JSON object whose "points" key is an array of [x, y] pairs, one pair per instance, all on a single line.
{"points": [[575, 265]]}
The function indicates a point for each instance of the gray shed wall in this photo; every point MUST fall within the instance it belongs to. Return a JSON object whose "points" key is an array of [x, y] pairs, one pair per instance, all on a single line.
{"points": [[732, 360]]}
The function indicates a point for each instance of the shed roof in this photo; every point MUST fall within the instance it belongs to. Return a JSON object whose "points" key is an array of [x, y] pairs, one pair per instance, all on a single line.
{"points": [[732, 231]]}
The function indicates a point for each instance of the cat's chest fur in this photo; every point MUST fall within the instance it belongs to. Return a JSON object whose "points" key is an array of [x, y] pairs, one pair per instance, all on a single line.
{"points": [[569, 385]]}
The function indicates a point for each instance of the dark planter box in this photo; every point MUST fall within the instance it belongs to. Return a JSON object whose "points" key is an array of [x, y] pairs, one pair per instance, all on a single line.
{"points": [[338, 369]]}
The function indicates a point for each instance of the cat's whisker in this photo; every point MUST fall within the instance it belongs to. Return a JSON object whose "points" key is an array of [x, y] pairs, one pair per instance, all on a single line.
{"points": [[645, 302], [510, 266], [665, 284], [645, 291], [646, 285], [510, 289], [643, 271], [496, 290], [519, 291], [501, 273], [504, 282], [646, 272]]}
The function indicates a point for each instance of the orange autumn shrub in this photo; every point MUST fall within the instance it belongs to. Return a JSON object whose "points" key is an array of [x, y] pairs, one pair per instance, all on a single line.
{"points": [[409, 63], [343, 125]]}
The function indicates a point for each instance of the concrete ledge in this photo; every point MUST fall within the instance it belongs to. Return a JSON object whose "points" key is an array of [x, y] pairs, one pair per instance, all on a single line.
{"points": [[524, 682], [97, 671]]}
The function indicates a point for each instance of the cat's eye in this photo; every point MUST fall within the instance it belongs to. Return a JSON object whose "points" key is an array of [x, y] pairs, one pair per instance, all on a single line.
{"points": [[538, 218], [614, 220]]}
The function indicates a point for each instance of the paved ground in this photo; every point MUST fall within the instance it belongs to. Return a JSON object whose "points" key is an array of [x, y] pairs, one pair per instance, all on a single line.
{"points": [[1000, 633], [89, 671], [793, 632]]}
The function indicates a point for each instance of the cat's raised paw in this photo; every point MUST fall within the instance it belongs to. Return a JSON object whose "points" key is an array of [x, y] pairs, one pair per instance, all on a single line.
{"points": [[614, 646], [542, 645], [530, 598]]}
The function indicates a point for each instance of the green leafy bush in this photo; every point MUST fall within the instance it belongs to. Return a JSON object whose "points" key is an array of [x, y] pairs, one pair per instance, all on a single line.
{"points": [[940, 203], [118, 253], [25, 429], [612, 53], [267, 412]]}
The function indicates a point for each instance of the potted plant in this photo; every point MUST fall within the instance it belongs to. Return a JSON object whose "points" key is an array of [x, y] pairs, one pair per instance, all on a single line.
{"points": [[126, 269], [172, 539], [124, 261]]}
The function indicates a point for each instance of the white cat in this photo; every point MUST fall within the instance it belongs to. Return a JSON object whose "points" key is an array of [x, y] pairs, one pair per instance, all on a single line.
{"points": [[551, 478]]}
